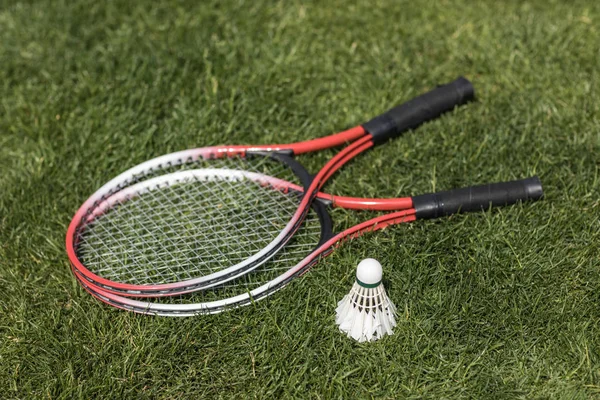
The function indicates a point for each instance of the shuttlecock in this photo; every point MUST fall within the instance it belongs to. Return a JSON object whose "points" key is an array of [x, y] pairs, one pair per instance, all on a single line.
{"points": [[366, 313]]}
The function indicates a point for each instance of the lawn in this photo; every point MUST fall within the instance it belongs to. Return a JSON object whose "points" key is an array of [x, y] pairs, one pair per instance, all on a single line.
{"points": [[501, 304]]}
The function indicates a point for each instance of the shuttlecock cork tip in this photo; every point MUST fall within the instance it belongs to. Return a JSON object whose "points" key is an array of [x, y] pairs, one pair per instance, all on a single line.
{"points": [[369, 273]]}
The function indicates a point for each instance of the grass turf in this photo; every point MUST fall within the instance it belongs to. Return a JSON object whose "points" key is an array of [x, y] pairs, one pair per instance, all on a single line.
{"points": [[502, 304]]}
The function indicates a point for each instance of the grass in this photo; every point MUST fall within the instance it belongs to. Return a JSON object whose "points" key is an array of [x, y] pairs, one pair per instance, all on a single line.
{"points": [[501, 304]]}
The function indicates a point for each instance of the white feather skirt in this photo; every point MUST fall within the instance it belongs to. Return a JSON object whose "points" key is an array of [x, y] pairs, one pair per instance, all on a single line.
{"points": [[366, 314]]}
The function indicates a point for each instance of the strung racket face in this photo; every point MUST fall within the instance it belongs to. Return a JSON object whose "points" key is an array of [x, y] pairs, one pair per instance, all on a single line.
{"points": [[202, 221]]}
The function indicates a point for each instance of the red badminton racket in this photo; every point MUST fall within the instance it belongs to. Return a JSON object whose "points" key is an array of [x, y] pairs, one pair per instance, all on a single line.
{"points": [[195, 219], [299, 255]]}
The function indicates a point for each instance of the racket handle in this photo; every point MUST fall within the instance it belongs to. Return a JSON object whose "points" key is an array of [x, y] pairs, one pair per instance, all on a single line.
{"points": [[477, 198], [419, 110]]}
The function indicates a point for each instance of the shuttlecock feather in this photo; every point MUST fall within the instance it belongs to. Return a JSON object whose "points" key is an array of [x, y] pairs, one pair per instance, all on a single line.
{"points": [[366, 313]]}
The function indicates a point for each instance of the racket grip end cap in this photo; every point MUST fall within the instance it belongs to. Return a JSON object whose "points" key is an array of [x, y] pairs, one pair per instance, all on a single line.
{"points": [[424, 108], [477, 198]]}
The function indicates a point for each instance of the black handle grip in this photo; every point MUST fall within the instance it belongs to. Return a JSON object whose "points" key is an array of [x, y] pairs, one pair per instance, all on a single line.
{"points": [[477, 198], [419, 110]]}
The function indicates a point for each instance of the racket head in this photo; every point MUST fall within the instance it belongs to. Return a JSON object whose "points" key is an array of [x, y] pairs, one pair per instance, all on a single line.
{"points": [[187, 221]]}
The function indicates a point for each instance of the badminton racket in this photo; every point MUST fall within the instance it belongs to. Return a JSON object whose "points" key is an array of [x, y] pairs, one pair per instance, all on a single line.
{"points": [[195, 219], [299, 255]]}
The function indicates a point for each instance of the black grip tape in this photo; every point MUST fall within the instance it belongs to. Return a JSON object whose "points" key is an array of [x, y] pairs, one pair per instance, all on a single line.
{"points": [[477, 198], [419, 110]]}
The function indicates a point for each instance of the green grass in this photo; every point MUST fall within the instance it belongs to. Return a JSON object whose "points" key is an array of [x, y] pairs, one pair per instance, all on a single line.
{"points": [[503, 304]]}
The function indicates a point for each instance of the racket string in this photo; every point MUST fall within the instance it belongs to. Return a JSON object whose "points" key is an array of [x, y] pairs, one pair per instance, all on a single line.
{"points": [[297, 249], [174, 246], [303, 243], [259, 164]]}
